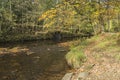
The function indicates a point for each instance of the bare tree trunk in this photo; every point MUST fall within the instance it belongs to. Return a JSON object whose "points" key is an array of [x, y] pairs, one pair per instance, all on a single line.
{"points": [[0, 28], [1, 17], [94, 29], [118, 27], [10, 10], [108, 13]]}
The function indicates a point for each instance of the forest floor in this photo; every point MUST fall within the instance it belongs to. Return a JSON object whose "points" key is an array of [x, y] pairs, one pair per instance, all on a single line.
{"points": [[103, 58]]}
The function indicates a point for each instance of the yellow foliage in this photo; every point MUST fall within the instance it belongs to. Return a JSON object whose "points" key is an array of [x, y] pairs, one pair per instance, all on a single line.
{"points": [[48, 14], [61, 15], [49, 24]]}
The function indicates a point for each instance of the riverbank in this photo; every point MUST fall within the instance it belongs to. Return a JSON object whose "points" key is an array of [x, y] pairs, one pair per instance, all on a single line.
{"points": [[39, 35], [102, 57]]}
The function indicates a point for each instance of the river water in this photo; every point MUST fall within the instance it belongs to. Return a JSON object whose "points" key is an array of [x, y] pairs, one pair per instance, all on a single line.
{"points": [[43, 60]]}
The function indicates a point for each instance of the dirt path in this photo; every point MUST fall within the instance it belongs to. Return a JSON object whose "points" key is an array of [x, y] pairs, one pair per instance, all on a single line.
{"points": [[102, 68], [101, 65]]}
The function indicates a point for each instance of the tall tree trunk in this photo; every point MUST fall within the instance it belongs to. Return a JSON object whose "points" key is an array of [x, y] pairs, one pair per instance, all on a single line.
{"points": [[118, 19], [108, 14], [100, 25], [10, 10], [0, 28]]}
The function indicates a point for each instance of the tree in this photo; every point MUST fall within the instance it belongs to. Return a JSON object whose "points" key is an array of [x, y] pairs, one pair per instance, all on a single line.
{"points": [[62, 16]]}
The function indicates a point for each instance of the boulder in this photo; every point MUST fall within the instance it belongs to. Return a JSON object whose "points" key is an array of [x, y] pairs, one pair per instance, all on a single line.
{"points": [[67, 76], [82, 75]]}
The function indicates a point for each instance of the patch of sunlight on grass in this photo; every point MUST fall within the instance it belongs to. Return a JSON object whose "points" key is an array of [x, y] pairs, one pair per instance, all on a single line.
{"points": [[104, 43], [101, 45], [75, 58], [109, 44], [113, 48]]}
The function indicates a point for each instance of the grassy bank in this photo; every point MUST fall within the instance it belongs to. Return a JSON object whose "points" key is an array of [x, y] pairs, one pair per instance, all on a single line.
{"points": [[108, 43]]}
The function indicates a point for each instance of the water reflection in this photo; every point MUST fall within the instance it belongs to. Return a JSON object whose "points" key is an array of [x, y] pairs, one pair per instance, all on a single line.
{"points": [[42, 61]]}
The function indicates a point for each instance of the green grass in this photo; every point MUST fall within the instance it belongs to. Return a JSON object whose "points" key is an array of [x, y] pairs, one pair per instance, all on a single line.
{"points": [[107, 42], [101, 45], [75, 58]]}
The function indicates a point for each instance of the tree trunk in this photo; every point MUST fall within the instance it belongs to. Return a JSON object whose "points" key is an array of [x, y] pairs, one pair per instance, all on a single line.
{"points": [[118, 27]]}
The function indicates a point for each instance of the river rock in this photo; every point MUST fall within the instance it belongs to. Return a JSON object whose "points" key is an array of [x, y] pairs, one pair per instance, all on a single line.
{"points": [[67, 76], [62, 50], [82, 75], [29, 53]]}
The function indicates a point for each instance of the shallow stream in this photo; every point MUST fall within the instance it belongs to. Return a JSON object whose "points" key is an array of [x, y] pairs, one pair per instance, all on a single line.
{"points": [[43, 60]]}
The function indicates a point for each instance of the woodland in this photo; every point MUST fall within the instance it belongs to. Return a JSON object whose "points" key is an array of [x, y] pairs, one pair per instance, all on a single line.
{"points": [[39, 19]]}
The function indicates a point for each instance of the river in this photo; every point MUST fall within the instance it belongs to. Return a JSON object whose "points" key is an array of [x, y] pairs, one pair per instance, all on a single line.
{"points": [[42, 60]]}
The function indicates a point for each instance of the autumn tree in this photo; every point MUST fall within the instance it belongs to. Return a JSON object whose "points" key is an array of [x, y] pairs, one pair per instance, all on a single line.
{"points": [[61, 16]]}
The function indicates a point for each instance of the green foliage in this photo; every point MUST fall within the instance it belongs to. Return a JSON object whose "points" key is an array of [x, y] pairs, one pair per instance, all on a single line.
{"points": [[75, 16], [61, 16], [18, 18]]}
